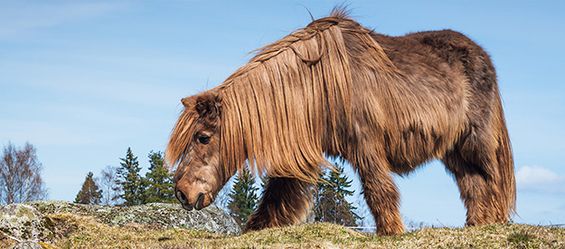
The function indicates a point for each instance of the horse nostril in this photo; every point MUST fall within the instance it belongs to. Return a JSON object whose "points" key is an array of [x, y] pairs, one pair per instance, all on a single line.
{"points": [[183, 201], [181, 197], [199, 201]]}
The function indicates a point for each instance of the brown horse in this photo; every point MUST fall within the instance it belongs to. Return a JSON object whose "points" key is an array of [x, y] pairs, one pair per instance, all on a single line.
{"points": [[334, 88]]}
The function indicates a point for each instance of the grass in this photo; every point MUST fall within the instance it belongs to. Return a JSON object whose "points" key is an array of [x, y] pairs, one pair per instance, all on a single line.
{"points": [[71, 231]]}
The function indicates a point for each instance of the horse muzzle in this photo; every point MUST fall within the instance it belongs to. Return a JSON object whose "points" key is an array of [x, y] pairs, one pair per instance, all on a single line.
{"points": [[197, 203]]}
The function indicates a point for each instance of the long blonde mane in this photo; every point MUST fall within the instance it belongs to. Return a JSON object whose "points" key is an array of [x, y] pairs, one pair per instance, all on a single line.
{"points": [[279, 107]]}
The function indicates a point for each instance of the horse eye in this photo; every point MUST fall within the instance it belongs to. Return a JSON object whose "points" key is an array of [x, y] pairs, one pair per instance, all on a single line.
{"points": [[203, 139]]}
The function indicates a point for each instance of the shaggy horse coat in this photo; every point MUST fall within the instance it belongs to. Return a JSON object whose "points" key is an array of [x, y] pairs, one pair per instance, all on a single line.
{"points": [[334, 88]]}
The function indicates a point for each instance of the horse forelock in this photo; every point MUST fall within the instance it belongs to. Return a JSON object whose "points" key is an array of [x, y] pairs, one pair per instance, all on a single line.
{"points": [[181, 136]]}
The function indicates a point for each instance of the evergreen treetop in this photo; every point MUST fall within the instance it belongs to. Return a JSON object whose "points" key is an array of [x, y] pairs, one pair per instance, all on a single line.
{"points": [[129, 181], [243, 197], [90, 192], [330, 203], [158, 181]]}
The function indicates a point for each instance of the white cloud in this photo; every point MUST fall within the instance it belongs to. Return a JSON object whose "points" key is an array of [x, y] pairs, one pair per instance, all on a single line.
{"points": [[540, 179], [533, 175]]}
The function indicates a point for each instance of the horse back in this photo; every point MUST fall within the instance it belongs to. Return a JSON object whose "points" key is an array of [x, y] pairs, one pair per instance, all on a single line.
{"points": [[446, 85]]}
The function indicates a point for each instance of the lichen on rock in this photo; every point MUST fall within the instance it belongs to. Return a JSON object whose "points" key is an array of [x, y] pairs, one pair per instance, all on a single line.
{"points": [[159, 215], [22, 222], [31, 222]]}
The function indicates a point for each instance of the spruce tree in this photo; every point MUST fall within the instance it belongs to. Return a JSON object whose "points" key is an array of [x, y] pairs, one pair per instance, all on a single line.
{"points": [[243, 197], [90, 192], [158, 181], [330, 204], [129, 181]]}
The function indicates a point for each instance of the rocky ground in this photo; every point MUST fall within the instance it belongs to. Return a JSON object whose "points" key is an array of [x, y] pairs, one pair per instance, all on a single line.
{"points": [[52, 221], [65, 225]]}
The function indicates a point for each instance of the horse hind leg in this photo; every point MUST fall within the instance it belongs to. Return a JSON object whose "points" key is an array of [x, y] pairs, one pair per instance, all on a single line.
{"points": [[285, 201], [483, 170]]}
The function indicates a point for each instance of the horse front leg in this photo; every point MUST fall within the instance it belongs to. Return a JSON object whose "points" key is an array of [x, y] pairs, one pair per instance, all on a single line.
{"points": [[285, 201], [380, 192]]}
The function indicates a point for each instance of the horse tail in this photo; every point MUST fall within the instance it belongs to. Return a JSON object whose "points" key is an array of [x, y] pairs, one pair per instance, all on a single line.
{"points": [[505, 161]]}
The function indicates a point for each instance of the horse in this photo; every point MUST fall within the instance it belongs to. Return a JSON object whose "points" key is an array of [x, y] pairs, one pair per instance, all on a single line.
{"points": [[335, 89]]}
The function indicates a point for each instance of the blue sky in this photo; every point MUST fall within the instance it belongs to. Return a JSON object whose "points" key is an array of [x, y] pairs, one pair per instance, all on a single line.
{"points": [[82, 81]]}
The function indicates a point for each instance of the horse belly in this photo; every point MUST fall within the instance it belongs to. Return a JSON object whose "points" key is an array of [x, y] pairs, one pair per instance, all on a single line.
{"points": [[418, 133], [410, 148]]}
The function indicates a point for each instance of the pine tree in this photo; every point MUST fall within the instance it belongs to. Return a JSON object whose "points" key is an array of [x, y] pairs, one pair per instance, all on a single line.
{"points": [[129, 181], [330, 204], [158, 181], [90, 192], [243, 197]]}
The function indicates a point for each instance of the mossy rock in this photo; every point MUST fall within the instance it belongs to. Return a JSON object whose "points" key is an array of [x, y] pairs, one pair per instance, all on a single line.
{"points": [[159, 215], [21, 222], [39, 221]]}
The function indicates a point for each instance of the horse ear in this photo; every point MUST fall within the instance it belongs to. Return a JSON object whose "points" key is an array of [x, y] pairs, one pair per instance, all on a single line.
{"points": [[208, 106], [188, 101]]}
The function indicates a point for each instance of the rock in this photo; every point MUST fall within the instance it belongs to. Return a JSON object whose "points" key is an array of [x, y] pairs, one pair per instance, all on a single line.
{"points": [[21, 222], [27, 224], [159, 215], [27, 245]]}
